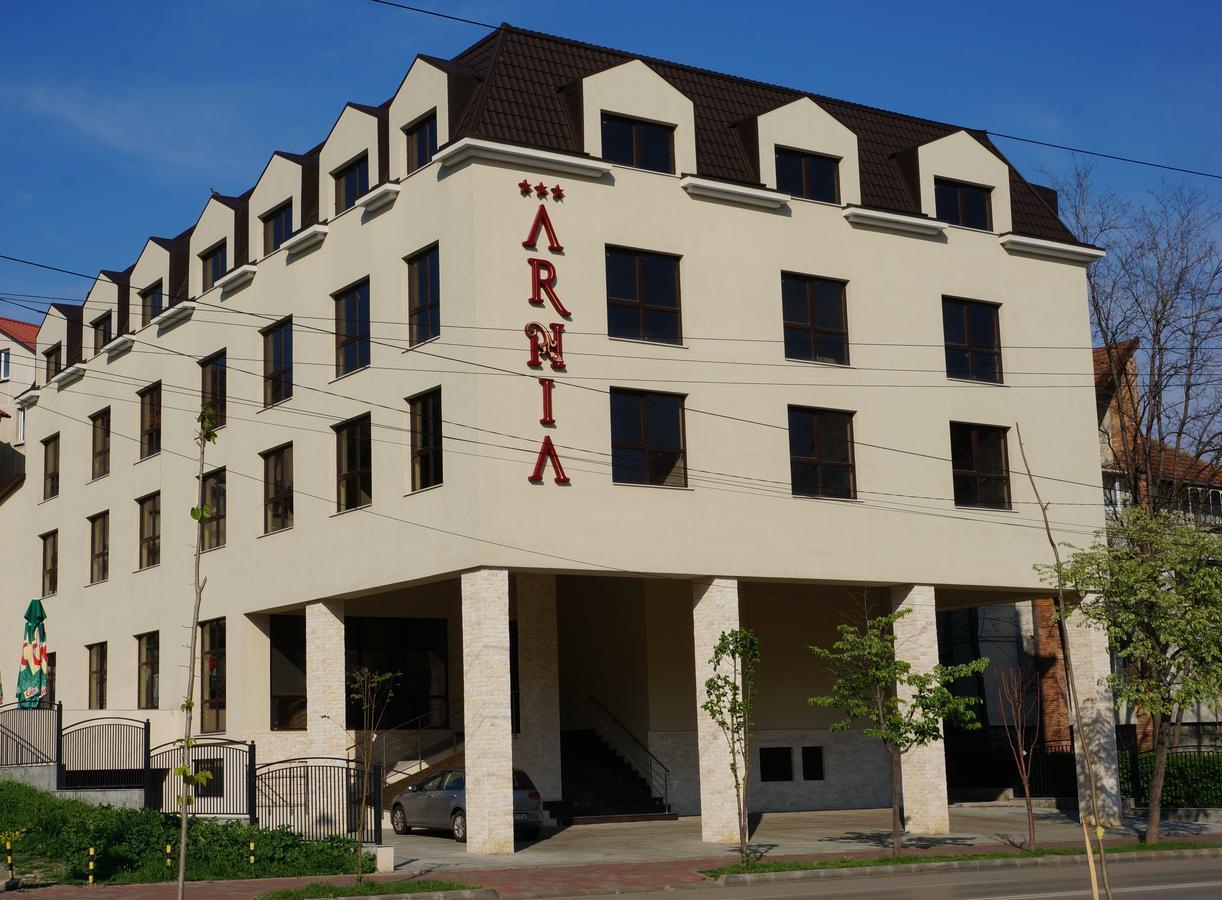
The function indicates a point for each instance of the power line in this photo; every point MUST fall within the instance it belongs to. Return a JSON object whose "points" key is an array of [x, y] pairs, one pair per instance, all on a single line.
{"points": [[439, 15]]}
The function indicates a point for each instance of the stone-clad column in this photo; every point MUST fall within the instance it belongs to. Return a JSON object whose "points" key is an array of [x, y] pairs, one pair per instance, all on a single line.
{"points": [[487, 717], [714, 610], [538, 682], [1091, 664], [923, 768], [326, 679]]}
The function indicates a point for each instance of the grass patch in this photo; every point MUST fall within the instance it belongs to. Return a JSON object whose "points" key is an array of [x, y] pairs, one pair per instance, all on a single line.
{"points": [[364, 889], [848, 862]]}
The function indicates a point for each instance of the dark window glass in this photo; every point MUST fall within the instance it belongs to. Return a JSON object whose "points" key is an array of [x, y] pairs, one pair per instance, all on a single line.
{"points": [[354, 464], [50, 467], [821, 452], [421, 142], [776, 764], [288, 673], [812, 763], [213, 786], [212, 523], [277, 226], [424, 296], [212, 387], [148, 652], [426, 439], [352, 329], [214, 264], [351, 183], [99, 547], [644, 145], [100, 429], [102, 332], [647, 438], [973, 340], [808, 175], [150, 530], [55, 361], [50, 699], [415, 648], [50, 563], [150, 420], [979, 465], [814, 318], [278, 362], [278, 488], [212, 676], [643, 296], [963, 204], [97, 675], [151, 304]]}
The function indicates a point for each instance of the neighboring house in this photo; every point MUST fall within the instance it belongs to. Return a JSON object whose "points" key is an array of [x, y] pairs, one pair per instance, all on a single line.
{"points": [[532, 381], [17, 343]]}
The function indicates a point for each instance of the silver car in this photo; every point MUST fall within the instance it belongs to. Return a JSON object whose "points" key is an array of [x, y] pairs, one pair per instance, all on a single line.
{"points": [[440, 801]]}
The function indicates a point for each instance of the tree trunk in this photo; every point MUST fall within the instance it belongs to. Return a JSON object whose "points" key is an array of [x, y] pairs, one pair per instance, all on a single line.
{"points": [[897, 824], [1155, 812], [1030, 812]]}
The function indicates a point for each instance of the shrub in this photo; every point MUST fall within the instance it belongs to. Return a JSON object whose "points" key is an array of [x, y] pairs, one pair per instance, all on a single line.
{"points": [[1192, 780]]}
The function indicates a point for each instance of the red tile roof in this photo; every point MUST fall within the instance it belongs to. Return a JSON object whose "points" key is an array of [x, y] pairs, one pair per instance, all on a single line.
{"points": [[24, 333]]}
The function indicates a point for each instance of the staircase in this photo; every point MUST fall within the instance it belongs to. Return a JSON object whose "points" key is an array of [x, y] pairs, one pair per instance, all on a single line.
{"points": [[599, 785]]}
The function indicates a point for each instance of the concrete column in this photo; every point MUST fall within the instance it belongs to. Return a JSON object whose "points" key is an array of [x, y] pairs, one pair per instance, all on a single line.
{"points": [[1092, 663], [714, 610], [923, 768], [326, 679], [487, 717], [538, 744]]}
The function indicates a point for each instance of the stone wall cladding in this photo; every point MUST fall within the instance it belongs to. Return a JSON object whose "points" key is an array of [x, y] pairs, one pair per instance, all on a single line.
{"points": [[326, 683], [714, 610], [1092, 664], [537, 747]]}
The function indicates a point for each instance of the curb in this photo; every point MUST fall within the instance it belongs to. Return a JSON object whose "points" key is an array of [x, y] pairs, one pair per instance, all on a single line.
{"points": [[961, 865], [478, 894]]}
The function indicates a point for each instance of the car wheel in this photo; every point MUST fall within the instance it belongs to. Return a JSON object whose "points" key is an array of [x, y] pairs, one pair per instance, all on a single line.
{"points": [[398, 820], [458, 825]]}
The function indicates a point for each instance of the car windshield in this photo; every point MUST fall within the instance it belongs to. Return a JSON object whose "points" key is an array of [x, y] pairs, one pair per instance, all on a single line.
{"points": [[521, 782]]}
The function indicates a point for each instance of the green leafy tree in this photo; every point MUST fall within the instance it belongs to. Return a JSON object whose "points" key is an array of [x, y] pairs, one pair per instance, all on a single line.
{"points": [[729, 696], [865, 688], [371, 691], [1154, 584]]}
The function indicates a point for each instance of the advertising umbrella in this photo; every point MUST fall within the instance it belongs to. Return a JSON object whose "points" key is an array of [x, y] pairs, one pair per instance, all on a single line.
{"points": [[32, 679]]}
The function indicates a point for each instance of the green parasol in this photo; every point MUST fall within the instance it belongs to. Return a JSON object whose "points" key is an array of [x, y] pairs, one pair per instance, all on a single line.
{"points": [[32, 679]]}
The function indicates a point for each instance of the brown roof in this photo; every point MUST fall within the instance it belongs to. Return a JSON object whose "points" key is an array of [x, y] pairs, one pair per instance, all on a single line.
{"points": [[1103, 367], [24, 333], [522, 99]]}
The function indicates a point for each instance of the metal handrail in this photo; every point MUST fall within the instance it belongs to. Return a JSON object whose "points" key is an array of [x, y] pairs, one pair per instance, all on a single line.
{"points": [[654, 771]]}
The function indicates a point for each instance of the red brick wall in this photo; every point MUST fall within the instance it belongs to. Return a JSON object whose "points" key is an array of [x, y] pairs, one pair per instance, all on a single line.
{"points": [[1054, 710]]}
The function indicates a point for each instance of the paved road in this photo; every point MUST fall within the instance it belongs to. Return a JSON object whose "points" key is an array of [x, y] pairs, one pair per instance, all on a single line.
{"points": [[1182, 879]]}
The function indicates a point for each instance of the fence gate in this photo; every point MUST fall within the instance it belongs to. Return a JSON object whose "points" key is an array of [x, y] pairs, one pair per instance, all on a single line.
{"points": [[319, 797], [228, 793], [109, 752]]}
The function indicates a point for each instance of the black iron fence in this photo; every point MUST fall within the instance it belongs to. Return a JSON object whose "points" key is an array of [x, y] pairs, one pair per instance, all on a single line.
{"points": [[228, 790], [28, 736], [320, 796], [985, 760], [109, 752]]}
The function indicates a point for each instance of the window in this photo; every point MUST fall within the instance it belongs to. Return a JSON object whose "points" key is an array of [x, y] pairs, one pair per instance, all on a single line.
{"points": [[50, 563], [808, 175], [973, 340], [278, 489], [354, 465], [812, 763], [97, 675], [278, 362], [647, 438], [50, 698], [776, 764], [814, 318], [214, 786], [277, 226], [423, 296], [352, 329], [100, 429], [55, 361], [102, 332], [963, 204], [979, 465], [150, 420], [287, 636], [148, 674], [150, 530], [214, 265], [643, 296], [421, 142], [151, 304], [212, 523], [5, 365], [212, 387], [821, 453], [99, 547], [212, 676], [50, 467], [20, 427], [643, 145], [351, 182], [426, 439]]}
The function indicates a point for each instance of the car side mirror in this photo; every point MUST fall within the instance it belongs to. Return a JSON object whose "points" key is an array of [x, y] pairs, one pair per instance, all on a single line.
{"points": [[413, 788]]}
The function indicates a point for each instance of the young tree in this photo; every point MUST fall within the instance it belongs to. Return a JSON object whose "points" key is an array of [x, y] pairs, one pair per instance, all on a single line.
{"points": [[1018, 701], [372, 691], [866, 677], [729, 697]]}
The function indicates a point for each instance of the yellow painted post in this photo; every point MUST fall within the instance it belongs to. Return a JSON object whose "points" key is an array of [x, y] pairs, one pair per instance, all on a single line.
{"points": [[252, 853], [8, 853], [167, 856], [91, 867]]}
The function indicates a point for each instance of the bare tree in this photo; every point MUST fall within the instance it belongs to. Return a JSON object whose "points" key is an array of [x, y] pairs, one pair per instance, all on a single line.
{"points": [[1018, 702]]}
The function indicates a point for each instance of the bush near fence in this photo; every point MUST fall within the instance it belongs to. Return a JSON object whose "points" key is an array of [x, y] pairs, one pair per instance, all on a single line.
{"points": [[1193, 779], [129, 844]]}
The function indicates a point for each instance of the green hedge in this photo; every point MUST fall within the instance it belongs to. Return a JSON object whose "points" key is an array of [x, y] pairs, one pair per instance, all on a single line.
{"points": [[129, 844], [1192, 780]]}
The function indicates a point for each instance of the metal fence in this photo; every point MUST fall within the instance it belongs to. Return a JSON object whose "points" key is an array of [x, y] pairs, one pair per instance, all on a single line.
{"points": [[228, 791], [28, 736], [986, 761], [109, 752], [319, 796]]}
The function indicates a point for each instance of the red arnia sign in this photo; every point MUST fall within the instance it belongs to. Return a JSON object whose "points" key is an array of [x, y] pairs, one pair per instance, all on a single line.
{"points": [[546, 341]]}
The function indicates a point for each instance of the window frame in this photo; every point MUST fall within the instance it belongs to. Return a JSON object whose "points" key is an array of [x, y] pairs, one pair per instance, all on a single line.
{"points": [[49, 557], [960, 205], [212, 706], [339, 176], [212, 526], [277, 382], [426, 450], [428, 261], [104, 335], [150, 419], [208, 259], [6, 364], [645, 446], [50, 466], [213, 385], [361, 338], [54, 360], [358, 473], [411, 131], [818, 461], [278, 624], [148, 530], [148, 310], [804, 158], [99, 437], [97, 666], [277, 491], [148, 670], [810, 327], [968, 347], [605, 117], [99, 556], [640, 303], [273, 218], [978, 474]]}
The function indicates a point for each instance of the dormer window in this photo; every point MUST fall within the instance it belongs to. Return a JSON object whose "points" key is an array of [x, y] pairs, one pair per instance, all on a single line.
{"points": [[642, 145], [351, 183], [421, 142], [808, 175], [963, 204], [215, 265], [277, 226], [152, 302], [55, 361], [102, 332]]}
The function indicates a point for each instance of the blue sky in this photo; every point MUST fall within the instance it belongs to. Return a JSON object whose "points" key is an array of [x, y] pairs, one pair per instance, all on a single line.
{"points": [[119, 117]]}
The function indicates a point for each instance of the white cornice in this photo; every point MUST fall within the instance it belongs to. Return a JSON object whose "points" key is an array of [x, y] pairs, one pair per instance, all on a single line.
{"points": [[74, 372], [489, 151], [28, 399], [382, 195], [1029, 246], [117, 346], [305, 239], [175, 315], [733, 193], [239, 277], [889, 221]]}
